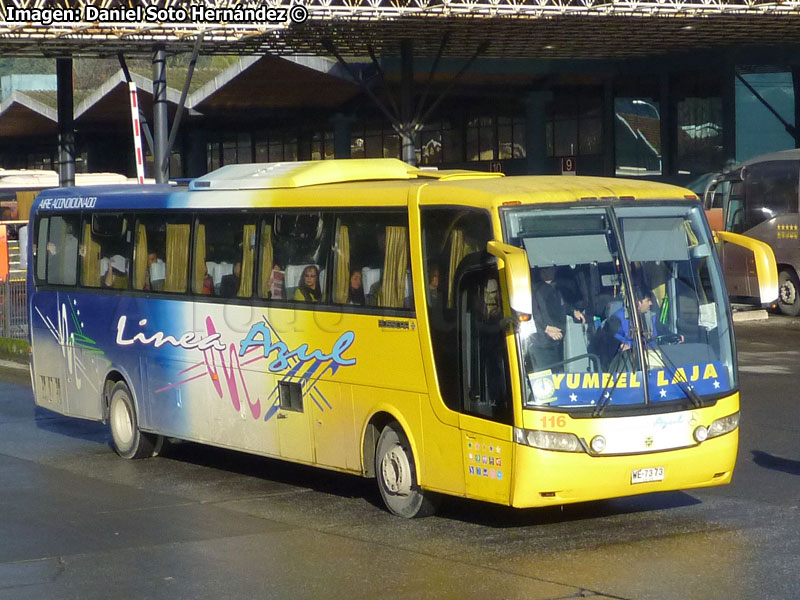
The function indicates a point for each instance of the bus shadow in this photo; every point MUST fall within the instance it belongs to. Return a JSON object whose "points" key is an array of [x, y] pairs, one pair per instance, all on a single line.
{"points": [[90, 431], [272, 469], [492, 515], [776, 463], [457, 509]]}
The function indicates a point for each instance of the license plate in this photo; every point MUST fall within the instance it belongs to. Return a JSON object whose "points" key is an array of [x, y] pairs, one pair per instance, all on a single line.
{"points": [[649, 474]]}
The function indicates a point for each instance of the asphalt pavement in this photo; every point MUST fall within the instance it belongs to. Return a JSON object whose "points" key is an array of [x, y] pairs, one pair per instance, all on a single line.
{"points": [[76, 521]]}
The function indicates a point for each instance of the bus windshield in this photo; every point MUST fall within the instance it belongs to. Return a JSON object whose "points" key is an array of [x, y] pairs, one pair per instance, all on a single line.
{"points": [[629, 308]]}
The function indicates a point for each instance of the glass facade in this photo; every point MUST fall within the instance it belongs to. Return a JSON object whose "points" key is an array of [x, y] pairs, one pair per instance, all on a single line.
{"points": [[637, 137], [758, 129], [574, 123]]}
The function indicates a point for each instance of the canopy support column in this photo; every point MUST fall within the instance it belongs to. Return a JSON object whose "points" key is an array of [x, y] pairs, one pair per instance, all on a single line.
{"points": [[66, 125], [160, 120]]}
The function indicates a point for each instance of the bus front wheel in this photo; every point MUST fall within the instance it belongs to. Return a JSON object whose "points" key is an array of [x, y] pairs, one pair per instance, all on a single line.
{"points": [[789, 293], [128, 441], [397, 476]]}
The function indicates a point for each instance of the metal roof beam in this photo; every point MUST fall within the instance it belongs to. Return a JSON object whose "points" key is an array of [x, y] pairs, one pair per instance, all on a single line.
{"points": [[182, 104]]}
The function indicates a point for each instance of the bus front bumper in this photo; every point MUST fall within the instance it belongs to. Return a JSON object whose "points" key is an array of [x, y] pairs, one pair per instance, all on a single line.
{"points": [[545, 478]]}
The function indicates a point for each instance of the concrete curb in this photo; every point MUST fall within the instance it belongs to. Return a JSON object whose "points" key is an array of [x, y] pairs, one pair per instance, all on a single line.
{"points": [[10, 364], [750, 315]]}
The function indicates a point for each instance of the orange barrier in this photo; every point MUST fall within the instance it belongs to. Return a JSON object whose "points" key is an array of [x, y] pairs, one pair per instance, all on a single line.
{"points": [[3, 253]]}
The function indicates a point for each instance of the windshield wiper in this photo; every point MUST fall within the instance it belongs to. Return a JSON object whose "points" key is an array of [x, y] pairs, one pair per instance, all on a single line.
{"points": [[606, 393], [687, 389]]}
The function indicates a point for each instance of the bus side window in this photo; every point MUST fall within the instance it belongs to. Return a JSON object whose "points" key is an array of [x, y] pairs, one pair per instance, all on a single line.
{"points": [[40, 249], [62, 250], [301, 245], [371, 261], [105, 249], [161, 253], [224, 256], [149, 254], [771, 190], [271, 279]]}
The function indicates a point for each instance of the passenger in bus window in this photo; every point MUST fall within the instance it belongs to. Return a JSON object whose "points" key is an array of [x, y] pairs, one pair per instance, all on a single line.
{"points": [[156, 272], [550, 312], [208, 285], [355, 294], [491, 300], [114, 271], [308, 288], [434, 297], [229, 286], [276, 285]]}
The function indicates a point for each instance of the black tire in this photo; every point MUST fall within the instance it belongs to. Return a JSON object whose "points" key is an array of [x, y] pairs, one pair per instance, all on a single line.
{"points": [[788, 293], [397, 476], [126, 438]]}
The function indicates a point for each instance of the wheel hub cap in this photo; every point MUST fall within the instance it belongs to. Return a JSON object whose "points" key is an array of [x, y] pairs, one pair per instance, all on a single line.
{"points": [[396, 472], [788, 293], [122, 422]]}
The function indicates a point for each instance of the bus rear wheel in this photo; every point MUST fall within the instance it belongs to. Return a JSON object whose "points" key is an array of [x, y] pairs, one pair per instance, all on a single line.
{"points": [[397, 476], [128, 441], [788, 293]]}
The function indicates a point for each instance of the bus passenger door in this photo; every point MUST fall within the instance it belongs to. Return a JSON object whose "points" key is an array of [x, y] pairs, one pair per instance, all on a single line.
{"points": [[486, 399], [294, 422]]}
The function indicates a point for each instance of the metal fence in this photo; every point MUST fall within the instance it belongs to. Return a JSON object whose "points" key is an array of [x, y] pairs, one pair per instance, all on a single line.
{"points": [[13, 310]]}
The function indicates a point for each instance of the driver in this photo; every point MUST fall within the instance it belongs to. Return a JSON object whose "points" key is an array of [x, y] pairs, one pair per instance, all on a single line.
{"points": [[651, 325]]}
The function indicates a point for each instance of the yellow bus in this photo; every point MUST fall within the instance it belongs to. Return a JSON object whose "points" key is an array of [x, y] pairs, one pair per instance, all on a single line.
{"points": [[526, 341]]}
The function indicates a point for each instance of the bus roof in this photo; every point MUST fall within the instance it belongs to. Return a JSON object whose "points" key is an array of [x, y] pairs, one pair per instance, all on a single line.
{"points": [[793, 154], [536, 189], [302, 174], [360, 182]]}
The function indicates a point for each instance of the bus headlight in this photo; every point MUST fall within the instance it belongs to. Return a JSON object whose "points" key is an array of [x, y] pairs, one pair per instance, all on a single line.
{"points": [[723, 425], [598, 444], [548, 440]]}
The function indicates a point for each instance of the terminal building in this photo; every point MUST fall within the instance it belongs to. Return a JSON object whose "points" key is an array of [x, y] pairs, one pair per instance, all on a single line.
{"points": [[664, 90]]}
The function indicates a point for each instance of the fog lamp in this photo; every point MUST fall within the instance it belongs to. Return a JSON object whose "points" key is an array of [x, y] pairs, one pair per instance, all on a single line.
{"points": [[701, 433]]}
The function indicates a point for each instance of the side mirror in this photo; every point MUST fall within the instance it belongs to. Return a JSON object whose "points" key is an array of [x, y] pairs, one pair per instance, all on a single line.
{"points": [[764, 261], [708, 194], [517, 271]]}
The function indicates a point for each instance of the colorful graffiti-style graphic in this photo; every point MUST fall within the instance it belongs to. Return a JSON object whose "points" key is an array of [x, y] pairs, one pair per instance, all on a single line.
{"points": [[223, 364], [68, 333]]}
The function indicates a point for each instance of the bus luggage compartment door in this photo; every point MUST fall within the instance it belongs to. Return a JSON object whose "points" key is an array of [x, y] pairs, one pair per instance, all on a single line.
{"points": [[62, 381], [48, 362]]}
